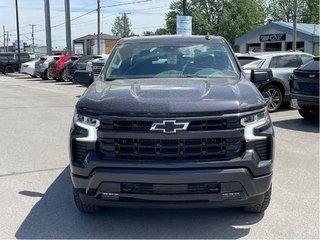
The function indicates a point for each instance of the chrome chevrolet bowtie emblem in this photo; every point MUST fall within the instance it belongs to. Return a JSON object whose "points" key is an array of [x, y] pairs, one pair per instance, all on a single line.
{"points": [[169, 126]]}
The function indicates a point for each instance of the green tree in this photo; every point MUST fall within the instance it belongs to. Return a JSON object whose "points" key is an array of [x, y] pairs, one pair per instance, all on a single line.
{"points": [[240, 17], [122, 26], [148, 33], [228, 18], [310, 12], [159, 31], [175, 9], [282, 10]]}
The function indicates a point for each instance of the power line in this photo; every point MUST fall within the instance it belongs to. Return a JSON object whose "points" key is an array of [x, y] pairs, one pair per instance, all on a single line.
{"points": [[114, 5], [146, 27], [114, 14], [122, 4]]}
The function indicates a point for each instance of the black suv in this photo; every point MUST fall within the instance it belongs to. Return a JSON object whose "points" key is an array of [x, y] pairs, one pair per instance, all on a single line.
{"points": [[171, 121], [304, 89], [9, 61]]}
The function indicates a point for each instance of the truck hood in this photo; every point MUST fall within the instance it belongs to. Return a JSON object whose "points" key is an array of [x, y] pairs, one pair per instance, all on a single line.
{"points": [[170, 96]]}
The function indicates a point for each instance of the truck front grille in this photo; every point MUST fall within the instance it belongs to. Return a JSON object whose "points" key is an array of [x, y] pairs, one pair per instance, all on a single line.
{"points": [[96, 68], [197, 150], [144, 126], [150, 188]]}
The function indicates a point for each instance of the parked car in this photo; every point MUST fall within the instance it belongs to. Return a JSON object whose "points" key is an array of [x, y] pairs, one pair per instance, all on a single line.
{"points": [[29, 68], [98, 64], [56, 68], [81, 64], [9, 61], [276, 91], [171, 121], [41, 67], [66, 75], [87, 74], [304, 89], [245, 58], [51, 64]]}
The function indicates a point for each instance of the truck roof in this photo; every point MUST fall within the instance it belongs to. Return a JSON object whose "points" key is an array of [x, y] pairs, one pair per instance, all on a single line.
{"points": [[174, 38]]}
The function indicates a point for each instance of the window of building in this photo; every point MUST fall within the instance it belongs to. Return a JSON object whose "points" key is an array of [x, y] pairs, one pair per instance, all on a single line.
{"points": [[253, 47], [288, 61], [300, 46], [273, 47]]}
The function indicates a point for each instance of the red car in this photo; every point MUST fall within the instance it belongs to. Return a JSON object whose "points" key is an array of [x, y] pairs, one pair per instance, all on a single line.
{"points": [[56, 68]]}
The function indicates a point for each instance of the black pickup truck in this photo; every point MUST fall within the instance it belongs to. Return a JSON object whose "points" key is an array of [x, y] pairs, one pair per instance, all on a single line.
{"points": [[9, 61], [171, 122]]}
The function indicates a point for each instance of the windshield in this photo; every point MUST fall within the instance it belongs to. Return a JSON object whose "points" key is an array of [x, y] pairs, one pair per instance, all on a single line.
{"points": [[174, 60]]}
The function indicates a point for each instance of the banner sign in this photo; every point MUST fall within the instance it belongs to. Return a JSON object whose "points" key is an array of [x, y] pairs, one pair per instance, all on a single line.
{"points": [[78, 48], [184, 25], [273, 37]]}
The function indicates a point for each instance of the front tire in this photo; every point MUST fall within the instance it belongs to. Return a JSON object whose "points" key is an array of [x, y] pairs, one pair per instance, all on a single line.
{"points": [[83, 207], [64, 76], [273, 97], [261, 207], [308, 114], [9, 69]]}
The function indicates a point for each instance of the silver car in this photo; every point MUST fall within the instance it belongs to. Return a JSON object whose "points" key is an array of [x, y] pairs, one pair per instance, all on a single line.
{"points": [[41, 66], [275, 90]]}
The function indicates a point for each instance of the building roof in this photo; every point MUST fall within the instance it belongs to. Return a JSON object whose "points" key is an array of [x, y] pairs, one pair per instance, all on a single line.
{"points": [[94, 36], [305, 31]]}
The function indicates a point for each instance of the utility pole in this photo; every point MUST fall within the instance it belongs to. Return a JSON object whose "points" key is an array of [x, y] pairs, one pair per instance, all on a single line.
{"points": [[7, 48], [4, 38], [48, 26], [32, 36], [294, 42], [184, 7], [18, 34], [98, 31], [102, 22], [68, 26]]}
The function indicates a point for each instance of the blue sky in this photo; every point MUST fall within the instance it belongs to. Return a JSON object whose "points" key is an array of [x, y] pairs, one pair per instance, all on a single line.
{"points": [[144, 16]]}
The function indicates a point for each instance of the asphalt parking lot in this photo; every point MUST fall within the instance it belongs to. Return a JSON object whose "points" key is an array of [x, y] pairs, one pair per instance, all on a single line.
{"points": [[35, 188]]}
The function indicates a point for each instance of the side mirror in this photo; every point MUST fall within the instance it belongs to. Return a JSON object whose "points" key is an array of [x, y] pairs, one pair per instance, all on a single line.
{"points": [[83, 78], [261, 75]]}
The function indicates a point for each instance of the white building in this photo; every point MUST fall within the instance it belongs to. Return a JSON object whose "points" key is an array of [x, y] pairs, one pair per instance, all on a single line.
{"points": [[278, 36]]}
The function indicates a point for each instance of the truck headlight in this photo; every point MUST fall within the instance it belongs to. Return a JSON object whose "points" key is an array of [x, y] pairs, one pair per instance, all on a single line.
{"points": [[88, 123], [253, 121]]}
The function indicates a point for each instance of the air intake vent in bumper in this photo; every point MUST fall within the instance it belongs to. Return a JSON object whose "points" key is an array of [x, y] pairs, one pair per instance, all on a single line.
{"points": [[262, 148]]}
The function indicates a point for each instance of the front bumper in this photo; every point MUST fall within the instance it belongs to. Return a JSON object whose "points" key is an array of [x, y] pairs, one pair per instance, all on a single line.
{"points": [[301, 101], [233, 187]]}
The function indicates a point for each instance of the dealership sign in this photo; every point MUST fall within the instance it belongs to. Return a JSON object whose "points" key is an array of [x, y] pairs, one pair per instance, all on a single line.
{"points": [[273, 37], [184, 25], [78, 48]]}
